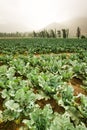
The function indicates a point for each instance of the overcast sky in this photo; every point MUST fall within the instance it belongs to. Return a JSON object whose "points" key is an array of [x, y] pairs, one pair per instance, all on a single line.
{"points": [[36, 14]]}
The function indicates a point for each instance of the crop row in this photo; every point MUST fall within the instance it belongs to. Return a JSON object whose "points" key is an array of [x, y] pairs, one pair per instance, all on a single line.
{"points": [[44, 92], [41, 46]]}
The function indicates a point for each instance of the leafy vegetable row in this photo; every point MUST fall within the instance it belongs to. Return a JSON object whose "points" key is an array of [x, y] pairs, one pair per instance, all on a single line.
{"points": [[41, 45], [28, 84]]}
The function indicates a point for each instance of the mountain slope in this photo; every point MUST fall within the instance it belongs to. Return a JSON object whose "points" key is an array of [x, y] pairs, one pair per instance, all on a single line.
{"points": [[71, 25]]}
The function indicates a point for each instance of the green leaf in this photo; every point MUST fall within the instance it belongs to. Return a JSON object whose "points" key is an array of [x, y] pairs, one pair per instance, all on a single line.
{"points": [[3, 70], [10, 72], [11, 105], [67, 95], [5, 94]]}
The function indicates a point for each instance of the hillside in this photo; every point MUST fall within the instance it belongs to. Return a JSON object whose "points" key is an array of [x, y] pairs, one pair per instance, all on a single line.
{"points": [[71, 25]]}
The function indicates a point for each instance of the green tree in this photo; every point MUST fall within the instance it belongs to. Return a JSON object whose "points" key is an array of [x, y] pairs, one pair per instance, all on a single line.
{"points": [[52, 33], [59, 33], [34, 34], [47, 34], [67, 33], [78, 32], [64, 33]]}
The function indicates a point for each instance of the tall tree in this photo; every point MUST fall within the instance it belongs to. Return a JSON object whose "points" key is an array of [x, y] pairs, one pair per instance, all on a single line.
{"points": [[78, 32], [52, 33], [67, 33], [59, 33], [34, 34], [64, 33], [47, 34]]}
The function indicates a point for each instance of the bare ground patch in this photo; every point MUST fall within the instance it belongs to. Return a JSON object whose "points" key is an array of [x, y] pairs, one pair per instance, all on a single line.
{"points": [[76, 83]]}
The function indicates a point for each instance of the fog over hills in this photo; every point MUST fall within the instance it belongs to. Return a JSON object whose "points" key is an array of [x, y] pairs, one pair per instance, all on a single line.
{"points": [[14, 27], [71, 25]]}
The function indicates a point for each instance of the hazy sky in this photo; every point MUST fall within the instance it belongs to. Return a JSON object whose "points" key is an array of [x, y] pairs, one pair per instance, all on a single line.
{"points": [[36, 14]]}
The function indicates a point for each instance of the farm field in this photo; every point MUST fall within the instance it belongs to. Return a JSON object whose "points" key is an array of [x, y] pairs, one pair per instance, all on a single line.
{"points": [[41, 45], [43, 84]]}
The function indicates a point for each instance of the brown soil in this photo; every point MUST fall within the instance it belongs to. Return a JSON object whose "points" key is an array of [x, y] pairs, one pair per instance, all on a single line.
{"points": [[8, 126], [53, 103], [37, 55], [68, 54], [19, 75], [35, 90], [1, 103], [1, 63], [76, 83], [1, 54]]}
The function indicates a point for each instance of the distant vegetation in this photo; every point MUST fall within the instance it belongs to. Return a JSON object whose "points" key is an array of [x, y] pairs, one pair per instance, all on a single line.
{"points": [[52, 33]]}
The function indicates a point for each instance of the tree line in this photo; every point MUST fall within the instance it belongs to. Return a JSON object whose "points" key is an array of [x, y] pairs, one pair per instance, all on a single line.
{"points": [[52, 33], [64, 33]]}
